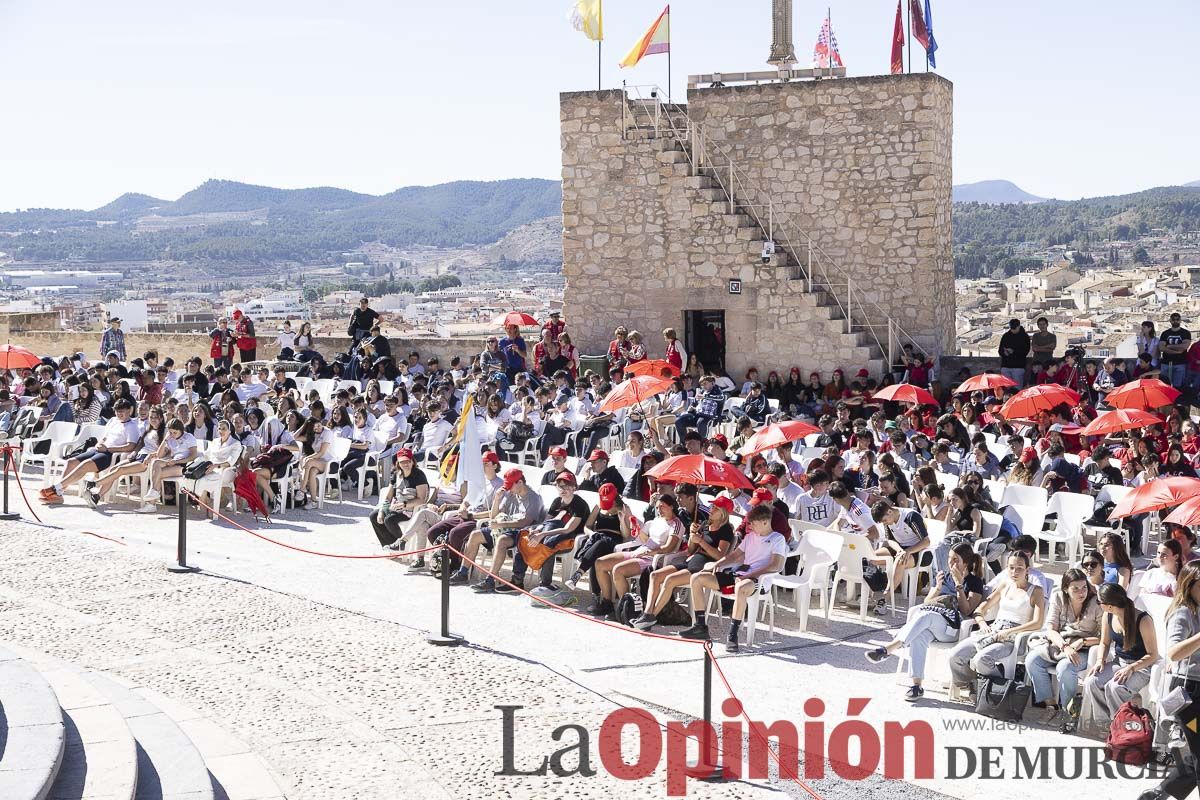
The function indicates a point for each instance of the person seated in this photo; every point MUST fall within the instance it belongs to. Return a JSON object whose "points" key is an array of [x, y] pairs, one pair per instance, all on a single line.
{"points": [[953, 596], [408, 491], [520, 508], [558, 464], [1020, 605], [759, 555], [1023, 543], [435, 435], [708, 541], [905, 538], [564, 521], [630, 456], [659, 536], [984, 462], [610, 526], [224, 455], [704, 410], [1072, 628], [1115, 679], [755, 405], [964, 523], [1118, 568], [95, 489], [1162, 578], [598, 472], [121, 435]]}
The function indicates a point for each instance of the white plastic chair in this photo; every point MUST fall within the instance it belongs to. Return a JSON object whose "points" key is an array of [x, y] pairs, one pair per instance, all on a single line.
{"points": [[375, 445], [57, 463], [818, 551], [338, 451], [856, 547], [1071, 510], [1016, 494], [57, 434], [1028, 519]]}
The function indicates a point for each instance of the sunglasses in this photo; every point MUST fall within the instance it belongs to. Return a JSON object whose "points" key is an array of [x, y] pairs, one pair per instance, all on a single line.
{"points": [[1091, 564]]}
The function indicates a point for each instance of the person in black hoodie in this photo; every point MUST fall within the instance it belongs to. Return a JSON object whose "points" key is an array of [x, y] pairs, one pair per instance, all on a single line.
{"points": [[1014, 352], [600, 472]]}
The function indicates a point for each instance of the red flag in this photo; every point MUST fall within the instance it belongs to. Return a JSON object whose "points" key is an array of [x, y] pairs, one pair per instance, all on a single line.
{"points": [[918, 24], [898, 43]]}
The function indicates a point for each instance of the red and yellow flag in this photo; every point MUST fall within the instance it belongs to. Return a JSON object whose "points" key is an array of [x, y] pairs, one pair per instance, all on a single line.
{"points": [[656, 40]]}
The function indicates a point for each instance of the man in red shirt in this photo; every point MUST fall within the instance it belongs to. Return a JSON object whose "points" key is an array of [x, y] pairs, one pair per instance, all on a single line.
{"points": [[555, 325]]}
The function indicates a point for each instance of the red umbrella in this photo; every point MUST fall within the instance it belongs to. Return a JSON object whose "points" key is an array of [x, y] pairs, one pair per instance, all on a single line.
{"points": [[1026, 403], [1187, 515], [1156, 494], [653, 367], [16, 357], [1119, 420], [633, 391], [905, 393], [776, 434], [984, 383], [1142, 393], [702, 471], [518, 318]]}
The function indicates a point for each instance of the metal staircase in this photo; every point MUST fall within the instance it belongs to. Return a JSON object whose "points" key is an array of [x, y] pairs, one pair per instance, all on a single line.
{"points": [[716, 176]]}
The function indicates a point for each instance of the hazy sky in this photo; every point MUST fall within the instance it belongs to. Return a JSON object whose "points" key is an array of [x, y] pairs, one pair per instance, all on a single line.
{"points": [[1067, 98]]}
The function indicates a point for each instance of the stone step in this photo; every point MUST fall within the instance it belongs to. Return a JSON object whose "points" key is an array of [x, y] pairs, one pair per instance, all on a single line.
{"points": [[672, 157], [700, 182], [101, 758], [715, 194], [169, 765], [33, 730]]}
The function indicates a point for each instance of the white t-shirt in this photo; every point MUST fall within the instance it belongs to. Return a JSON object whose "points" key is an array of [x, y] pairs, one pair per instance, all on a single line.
{"points": [[435, 435], [179, 448], [791, 495], [757, 551], [623, 459], [659, 531], [905, 531], [286, 339], [119, 434], [857, 518], [821, 510], [326, 438]]}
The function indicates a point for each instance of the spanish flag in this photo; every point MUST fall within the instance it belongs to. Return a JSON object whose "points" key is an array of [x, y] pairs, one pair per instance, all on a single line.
{"points": [[587, 16], [656, 40]]}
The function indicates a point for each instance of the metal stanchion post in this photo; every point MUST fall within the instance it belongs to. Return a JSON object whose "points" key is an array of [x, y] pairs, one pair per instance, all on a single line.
{"points": [[8, 459], [181, 565], [718, 772], [446, 638]]}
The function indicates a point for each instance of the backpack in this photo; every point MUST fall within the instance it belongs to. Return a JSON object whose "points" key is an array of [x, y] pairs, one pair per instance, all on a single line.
{"points": [[443, 559], [274, 458], [674, 614], [629, 608], [1130, 736], [875, 577]]}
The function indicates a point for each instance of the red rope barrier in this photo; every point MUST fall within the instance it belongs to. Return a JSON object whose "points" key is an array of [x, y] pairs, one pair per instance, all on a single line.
{"points": [[185, 493], [8, 459], [105, 538]]}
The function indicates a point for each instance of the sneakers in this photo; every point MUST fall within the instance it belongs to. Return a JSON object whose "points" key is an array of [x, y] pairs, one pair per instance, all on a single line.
{"points": [[876, 655], [417, 566], [459, 578], [695, 632], [914, 694], [1052, 716], [91, 496], [504, 588], [485, 586], [147, 508], [731, 644], [602, 608], [646, 621], [881, 607], [573, 581], [150, 496], [52, 499]]}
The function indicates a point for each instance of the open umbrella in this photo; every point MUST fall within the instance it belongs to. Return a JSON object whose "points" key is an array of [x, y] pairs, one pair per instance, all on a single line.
{"points": [[905, 393], [1187, 515], [771, 436], [14, 356], [633, 391], [1143, 393], [1026, 403], [702, 471], [1156, 494], [984, 383], [518, 318], [654, 367], [1119, 420]]}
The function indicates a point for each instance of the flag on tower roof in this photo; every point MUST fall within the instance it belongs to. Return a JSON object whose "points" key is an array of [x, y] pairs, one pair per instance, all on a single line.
{"points": [[587, 16], [826, 49], [656, 40], [931, 48]]}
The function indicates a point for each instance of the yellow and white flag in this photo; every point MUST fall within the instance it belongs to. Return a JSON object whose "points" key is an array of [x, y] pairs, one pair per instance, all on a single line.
{"points": [[588, 16]]}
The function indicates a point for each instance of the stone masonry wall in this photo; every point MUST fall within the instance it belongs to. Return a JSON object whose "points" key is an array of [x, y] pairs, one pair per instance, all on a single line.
{"points": [[644, 240]]}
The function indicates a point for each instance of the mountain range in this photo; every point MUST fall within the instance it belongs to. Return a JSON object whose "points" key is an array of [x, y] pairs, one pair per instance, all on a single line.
{"points": [[993, 192]]}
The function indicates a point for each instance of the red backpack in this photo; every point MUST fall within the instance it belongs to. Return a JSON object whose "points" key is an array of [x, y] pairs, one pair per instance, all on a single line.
{"points": [[1130, 736]]}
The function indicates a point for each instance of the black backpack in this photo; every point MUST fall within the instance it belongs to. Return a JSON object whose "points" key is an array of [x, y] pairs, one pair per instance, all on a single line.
{"points": [[629, 608], [874, 576], [674, 614]]}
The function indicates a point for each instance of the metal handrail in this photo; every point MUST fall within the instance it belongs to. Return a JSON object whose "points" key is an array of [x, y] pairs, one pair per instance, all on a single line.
{"points": [[736, 183]]}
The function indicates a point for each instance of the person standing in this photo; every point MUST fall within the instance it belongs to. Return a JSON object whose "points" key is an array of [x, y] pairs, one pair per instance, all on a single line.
{"points": [[246, 341], [113, 339], [223, 343], [514, 349], [1175, 342], [362, 320], [675, 354], [1014, 352], [555, 325], [1043, 342]]}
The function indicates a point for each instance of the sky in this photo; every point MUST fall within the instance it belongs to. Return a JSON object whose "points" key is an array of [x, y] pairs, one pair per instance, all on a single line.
{"points": [[1066, 98]]}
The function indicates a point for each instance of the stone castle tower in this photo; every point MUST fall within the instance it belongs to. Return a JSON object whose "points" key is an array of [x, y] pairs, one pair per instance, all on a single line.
{"points": [[849, 178]]}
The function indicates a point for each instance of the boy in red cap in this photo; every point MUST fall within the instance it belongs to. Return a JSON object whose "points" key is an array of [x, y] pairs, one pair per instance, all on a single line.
{"points": [[565, 520], [599, 472], [519, 507], [609, 523], [558, 463], [761, 553]]}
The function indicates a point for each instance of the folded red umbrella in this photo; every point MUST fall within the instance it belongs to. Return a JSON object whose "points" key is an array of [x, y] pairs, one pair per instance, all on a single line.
{"points": [[1143, 393], [984, 383], [702, 471], [14, 356], [777, 433], [654, 366], [518, 318], [905, 393], [1026, 403], [1119, 420], [1155, 495], [633, 391]]}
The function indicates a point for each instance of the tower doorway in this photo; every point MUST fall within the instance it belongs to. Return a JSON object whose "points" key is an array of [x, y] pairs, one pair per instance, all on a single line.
{"points": [[704, 335]]}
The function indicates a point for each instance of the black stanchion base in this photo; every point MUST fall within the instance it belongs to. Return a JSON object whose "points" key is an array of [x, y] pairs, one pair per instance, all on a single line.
{"points": [[716, 776], [446, 641], [181, 568], [9, 516]]}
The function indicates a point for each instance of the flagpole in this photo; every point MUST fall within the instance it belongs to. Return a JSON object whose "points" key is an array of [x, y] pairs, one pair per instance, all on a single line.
{"points": [[668, 53], [829, 44], [908, 43], [599, 61]]}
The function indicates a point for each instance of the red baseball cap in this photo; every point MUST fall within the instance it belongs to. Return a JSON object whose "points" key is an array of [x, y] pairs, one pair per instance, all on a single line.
{"points": [[761, 496], [558, 451], [404, 452], [862, 373], [768, 480], [512, 477], [1028, 455], [723, 502], [566, 477], [491, 458], [608, 496], [598, 454], [719, 439]]}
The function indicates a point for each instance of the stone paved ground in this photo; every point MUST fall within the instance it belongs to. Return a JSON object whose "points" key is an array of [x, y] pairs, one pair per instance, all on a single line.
{"points": [[322, 665]]}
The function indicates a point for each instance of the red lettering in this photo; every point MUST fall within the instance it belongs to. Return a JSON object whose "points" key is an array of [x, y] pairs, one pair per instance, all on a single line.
{"points": [[894, 735], [649, 744], [868, 749], [788, 740], [678, 769]]}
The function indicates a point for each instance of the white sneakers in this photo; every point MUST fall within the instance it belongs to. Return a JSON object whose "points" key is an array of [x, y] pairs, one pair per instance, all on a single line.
{"points": [[150, 496]]}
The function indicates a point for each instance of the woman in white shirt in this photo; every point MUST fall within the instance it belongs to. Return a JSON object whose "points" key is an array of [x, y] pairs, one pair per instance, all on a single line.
{"points": [[318, 459], [224, 454], [156, 429], [630, 457], [286, 338], [178, 448]]}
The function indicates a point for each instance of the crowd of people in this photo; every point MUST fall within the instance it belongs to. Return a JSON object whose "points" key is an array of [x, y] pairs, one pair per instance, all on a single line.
{"points": [[875, 468]]}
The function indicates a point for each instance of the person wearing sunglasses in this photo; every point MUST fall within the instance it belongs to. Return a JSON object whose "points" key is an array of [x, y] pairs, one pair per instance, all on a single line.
{"points": [[1093, 567]]}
